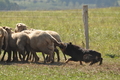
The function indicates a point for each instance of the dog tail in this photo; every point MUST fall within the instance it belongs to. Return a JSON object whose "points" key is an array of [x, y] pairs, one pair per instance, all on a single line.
{"points": [[101, 59]]}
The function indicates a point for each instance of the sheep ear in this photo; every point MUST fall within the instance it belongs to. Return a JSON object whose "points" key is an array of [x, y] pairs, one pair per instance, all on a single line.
{"points": [[3, 27], [17, 25]]}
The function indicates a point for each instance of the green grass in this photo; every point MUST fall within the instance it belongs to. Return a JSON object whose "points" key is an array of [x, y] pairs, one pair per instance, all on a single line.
{"points": [[104, 32]]}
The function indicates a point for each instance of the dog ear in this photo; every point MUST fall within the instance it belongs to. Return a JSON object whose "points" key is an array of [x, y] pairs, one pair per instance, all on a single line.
{"points": [[70, 43]]}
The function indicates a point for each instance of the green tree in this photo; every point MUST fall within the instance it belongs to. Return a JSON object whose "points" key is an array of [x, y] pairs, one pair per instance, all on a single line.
{"points": [[99, 3]]}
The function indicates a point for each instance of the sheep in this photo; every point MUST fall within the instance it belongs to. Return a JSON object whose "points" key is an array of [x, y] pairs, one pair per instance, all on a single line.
{"points": [[41, 41], [21, 27], [79, 54], [3, 39], [16, 42], [57, 37]]}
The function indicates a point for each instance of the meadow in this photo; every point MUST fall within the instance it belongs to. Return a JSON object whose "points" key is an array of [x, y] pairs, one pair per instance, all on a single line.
{"points": [[104, 34]]}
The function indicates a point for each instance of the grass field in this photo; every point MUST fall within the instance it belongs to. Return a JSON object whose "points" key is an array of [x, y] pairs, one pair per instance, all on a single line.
{"points": [[104, 32]]}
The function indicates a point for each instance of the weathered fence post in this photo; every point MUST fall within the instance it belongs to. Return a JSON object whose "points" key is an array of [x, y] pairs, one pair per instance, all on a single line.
{"points": [[85, 21]]}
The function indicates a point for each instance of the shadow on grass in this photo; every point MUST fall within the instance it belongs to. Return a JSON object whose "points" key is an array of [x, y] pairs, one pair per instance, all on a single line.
{"points": [[113, 55], [55, 63], [39, 63], [11, 63]]}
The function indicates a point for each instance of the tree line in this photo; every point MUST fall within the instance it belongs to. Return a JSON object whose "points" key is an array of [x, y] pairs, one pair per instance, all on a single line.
{"points": [[18, 4], [99, 3], [7, 5]]}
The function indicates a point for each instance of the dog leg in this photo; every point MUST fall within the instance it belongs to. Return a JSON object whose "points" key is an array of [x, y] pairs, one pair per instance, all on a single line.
{"points": [[100, 61], [93, 62], [81, 63], [67, 61], [70, 59]]}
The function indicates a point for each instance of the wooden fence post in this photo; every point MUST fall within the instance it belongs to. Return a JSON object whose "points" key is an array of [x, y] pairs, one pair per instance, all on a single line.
{"points": [[85, 21]]}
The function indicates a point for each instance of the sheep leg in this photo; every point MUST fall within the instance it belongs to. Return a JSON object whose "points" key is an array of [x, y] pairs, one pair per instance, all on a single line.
{"points": [[0, 51], [21, 49], [20, 56], [45, 59], [58, 56], [27, 54], [23, 54], [3, 56], [15, 58], [64, 56], [31, 57], [51, 57], [48, 57], [27, 57], [9, 56], [1, 45], [35, 56]]}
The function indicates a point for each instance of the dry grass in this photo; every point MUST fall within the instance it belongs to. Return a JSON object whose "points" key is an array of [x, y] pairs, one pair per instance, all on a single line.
{"points": [[70, 71]]}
